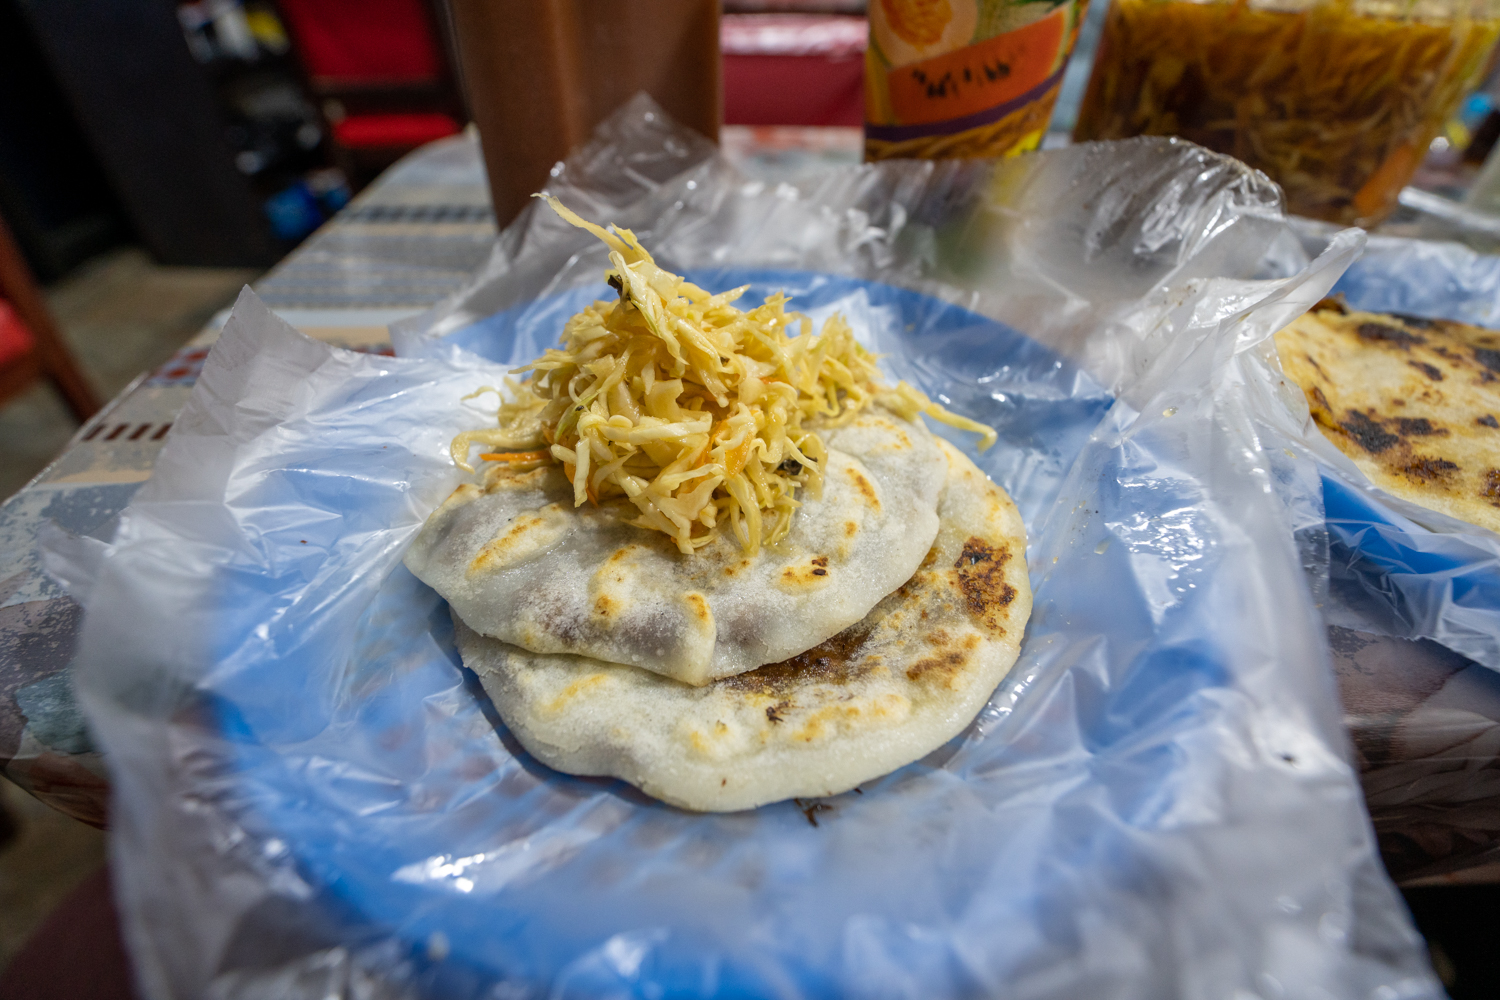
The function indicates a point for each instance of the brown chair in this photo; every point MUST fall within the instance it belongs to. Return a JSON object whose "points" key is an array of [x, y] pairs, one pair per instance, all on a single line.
{"points": [[31, 345]]}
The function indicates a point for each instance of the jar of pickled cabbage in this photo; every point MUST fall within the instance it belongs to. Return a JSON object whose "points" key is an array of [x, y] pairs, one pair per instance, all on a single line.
{"points": [[1336, 101]]}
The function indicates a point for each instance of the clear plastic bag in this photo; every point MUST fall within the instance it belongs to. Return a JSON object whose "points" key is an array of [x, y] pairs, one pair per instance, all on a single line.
{"points": [[311, 798], [1397, 568]]}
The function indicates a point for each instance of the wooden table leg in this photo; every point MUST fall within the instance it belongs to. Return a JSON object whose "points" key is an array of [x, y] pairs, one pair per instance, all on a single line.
{"points": [[18, 286]]}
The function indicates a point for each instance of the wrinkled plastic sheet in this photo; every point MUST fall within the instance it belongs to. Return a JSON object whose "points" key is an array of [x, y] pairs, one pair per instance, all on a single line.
{"points": [[313, 799], [1412, 596], [1397, 568]]}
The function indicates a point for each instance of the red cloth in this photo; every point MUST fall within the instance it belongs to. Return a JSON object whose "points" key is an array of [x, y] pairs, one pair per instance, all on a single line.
{"points": [[15, 337], [794, 90], [363, 39], [408, 129]]}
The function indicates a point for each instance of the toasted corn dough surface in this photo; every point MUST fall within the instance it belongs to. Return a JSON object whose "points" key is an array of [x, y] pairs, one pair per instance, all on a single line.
{"points": [[887, 690], [519, 562], [1414, 403]]}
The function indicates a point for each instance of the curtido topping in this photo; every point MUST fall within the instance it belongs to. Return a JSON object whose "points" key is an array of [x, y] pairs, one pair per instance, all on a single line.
{"points": [[698, 413]]}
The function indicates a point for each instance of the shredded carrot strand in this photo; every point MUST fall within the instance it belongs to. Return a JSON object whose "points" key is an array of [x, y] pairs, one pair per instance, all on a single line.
{"points": [[515, 456]]}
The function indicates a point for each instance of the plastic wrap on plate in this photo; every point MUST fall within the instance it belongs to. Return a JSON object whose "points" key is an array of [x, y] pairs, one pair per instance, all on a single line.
{"points": [[1413, 597], [1398, 568], [312, 798]]}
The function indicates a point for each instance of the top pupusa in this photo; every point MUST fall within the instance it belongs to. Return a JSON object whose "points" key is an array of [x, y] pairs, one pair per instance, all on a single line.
{"points": [[519, 562], [671, 410]]}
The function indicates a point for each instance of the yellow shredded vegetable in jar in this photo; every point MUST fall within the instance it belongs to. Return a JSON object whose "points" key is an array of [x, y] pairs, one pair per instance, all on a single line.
{"points": [[696, 413], [1336, 100]]}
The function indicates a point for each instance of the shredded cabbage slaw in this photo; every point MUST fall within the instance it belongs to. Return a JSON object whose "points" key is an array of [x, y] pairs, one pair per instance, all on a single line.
{"points": [[697, 413]]}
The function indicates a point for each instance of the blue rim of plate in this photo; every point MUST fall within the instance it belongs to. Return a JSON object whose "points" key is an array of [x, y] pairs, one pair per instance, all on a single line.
{"points": [[1383, 550]]}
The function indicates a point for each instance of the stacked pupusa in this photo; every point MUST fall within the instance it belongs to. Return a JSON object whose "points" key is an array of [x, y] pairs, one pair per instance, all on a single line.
{"points": [[691, 589]]}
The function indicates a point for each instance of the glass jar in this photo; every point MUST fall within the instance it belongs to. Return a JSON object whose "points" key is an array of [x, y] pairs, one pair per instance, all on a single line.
{"points": [[964, 78], [1336, 101]]}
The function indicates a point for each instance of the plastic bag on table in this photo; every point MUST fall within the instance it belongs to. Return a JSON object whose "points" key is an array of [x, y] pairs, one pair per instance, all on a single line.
{"points": [[1398, 568], [312, 798]]}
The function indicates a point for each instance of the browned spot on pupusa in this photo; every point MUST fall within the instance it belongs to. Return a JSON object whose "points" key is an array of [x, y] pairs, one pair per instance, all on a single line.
{"points": [[614, 571], [948, 666], [523, 536], [1427, 470], [911, 591], [504, 477], [1368, 433], [850, 529], [1375, 435], [981, 577], [698, 607], [604, 606], [865, 488], [1391, 439], [826, 722], [1384, 333], [901, 443], [803, 576], [1418, 427], [834, 661], [582, 686], [735, 568], [1491, 489]]}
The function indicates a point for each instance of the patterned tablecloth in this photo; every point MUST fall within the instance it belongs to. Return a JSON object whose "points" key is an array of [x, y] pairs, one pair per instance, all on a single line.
{"points": [[1425, 722]]}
